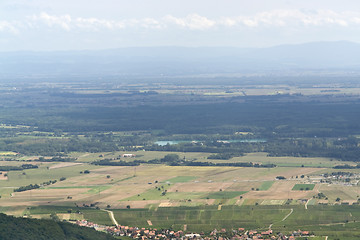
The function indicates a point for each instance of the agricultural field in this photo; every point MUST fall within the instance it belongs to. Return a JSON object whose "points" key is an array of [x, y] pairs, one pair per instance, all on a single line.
{"points": [[150, 185], [139, 155], [332, 221], [200, 197], [261, 157]]}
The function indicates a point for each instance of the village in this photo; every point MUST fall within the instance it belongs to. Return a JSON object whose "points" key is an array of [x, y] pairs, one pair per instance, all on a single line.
{"points": [[222, 234]]}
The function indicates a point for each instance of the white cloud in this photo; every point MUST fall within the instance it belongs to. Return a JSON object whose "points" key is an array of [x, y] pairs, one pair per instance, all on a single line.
{"points": [[95, 24], [151, 23], [193, 22], [283, 18], [275, 18], [8, 27], [64, 21], [68, 23]]}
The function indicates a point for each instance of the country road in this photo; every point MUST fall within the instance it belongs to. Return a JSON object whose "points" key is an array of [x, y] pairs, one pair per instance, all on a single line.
{"points": [[291, 211], [111, 215], [307, 203]]}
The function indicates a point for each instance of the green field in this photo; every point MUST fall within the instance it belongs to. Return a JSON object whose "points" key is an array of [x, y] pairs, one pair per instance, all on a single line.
{"points": [[154, 194], [329, 221], [200, 218], [223, 195], [38, 176], [266, 185], [97, 216], [332, 221], [181, 179], [302, 187]]}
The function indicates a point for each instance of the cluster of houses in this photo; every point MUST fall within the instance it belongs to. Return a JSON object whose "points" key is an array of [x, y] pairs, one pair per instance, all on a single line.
{"points": [[338, 178], [153, 233], [241, 233], [137, 233]]}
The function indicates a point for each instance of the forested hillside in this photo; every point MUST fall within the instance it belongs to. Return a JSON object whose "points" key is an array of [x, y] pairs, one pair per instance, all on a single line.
{"points": [[12, 228]]}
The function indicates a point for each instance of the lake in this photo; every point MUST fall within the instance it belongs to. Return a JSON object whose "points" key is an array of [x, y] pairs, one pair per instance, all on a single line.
{"points": [[170, 142]]}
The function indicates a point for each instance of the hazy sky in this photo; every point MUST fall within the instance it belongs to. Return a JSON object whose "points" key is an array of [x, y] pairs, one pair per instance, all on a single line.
{"points": [[101, 24]]}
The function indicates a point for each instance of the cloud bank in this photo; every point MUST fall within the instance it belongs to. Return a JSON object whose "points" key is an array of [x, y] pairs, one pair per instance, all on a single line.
{"points": [[194, 22]]}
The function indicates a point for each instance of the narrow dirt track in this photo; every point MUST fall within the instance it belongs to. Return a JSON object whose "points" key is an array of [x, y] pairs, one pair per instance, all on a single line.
{"points": [[111, 215]]}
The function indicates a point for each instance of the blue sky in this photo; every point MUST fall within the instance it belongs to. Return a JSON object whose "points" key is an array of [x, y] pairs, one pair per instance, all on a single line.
{"points": [[94, 24]]}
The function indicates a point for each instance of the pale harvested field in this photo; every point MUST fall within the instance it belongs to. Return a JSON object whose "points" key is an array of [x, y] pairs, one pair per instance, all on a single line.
{"points": [[64, 216], [113, 195], [165, 204], [143, 174], [40, 216], [273, 202], [137, 204], [244, 185], [171, 172], [256, 174], [49, 193], [345, 193], [2, 176], [42, 197], [64, 164], [200, 187], [279, 190], [18, 163]]}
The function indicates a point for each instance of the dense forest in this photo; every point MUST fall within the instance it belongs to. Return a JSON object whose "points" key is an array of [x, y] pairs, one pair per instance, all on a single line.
{"points": [[28, 229], [57, 121], [174, 160], [268, 116]]}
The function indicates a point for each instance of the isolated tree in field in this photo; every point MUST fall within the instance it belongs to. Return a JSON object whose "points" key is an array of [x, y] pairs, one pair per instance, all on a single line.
{"points": [[170, 158]]}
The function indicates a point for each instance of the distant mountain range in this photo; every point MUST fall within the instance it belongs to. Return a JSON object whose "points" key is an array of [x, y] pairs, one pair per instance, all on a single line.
{"points": [[181, 61]]}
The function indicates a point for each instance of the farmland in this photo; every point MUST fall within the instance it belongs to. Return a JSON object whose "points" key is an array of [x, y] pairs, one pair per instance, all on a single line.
{"points": [[253, 158], [151, 187], [332, 221], [176, 185]]}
